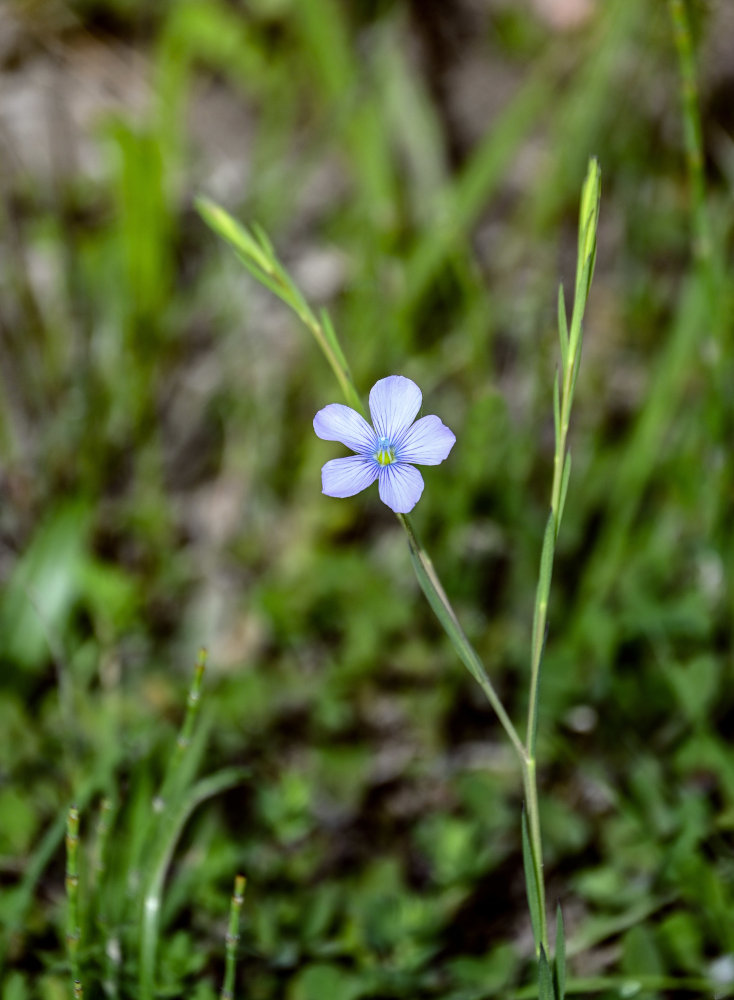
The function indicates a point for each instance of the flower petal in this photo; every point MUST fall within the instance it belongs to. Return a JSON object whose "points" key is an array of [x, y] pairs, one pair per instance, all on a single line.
{"points": [[400, 487], [343, 477], [394, 403], [426, 442], [337, 422]]}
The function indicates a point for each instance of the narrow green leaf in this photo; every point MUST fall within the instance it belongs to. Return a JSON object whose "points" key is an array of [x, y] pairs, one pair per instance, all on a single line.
{"points": [[294, 297], [588, 220], [171, 827], [576, 362], [436, 596], [562, 328], [264, 277], [545, 978], [579, 304], [264, 240], [585, 264], [452, 628], [544, 582], [564, 488], [331, 338], [224, 225], [531, 881], [559, 963], [533, 717], [557, 406]]}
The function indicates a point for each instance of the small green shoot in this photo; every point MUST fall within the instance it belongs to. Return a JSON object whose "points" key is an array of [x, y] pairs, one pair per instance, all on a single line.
{"points": [[73, 928], [233, 937]]}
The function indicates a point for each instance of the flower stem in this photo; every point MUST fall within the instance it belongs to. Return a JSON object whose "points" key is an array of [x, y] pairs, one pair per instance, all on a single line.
{"points": [[436, 596]]}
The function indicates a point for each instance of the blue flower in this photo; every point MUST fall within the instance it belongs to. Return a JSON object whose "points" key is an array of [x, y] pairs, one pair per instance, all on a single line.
{"points": [[386, 450]]}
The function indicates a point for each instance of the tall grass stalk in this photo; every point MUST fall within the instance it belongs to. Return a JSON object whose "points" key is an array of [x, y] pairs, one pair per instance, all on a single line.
{"points": [[563, 392]]}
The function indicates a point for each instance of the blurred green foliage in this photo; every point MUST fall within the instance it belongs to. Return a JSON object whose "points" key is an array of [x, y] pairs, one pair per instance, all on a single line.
{"points": [[418, 171]]}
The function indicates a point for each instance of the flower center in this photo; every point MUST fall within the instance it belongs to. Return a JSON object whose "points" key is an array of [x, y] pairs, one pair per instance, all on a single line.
{"points": [[385, 453]]}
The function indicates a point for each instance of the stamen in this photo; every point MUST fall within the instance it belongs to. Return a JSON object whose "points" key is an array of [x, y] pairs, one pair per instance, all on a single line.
{"points": [[385, 453]]}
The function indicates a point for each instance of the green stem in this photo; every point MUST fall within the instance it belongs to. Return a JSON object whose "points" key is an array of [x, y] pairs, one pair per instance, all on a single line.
{"points": [[175, 776], [233, 937], [530, 786], [436, 595], [73, 932], [571, 341]]}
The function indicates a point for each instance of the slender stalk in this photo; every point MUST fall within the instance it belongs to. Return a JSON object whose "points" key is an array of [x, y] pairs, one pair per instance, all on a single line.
{"points": [[233, 937], [175, 820], [73, 931], [570, 343], [173, 777], [193, 702], [530, 788]]}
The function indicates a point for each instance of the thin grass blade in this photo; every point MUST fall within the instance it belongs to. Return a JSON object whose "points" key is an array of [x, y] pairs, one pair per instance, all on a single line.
{"points": [[233, 937], [531, 882], [153, 892], [545, 978]]}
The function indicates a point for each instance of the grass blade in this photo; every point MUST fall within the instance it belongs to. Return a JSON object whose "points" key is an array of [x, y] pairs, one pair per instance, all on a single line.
{"points": [[545, 978], [531, 882], [175, 821]]}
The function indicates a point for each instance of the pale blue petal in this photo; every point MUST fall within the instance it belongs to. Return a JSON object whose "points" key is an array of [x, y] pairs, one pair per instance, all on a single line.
{"points": [[394, 404], [343, 477], [400, 487], [337, 422], [427, 442]]}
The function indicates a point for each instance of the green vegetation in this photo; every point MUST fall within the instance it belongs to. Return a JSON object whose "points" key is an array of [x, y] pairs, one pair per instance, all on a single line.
{"points": [[418, 174]]}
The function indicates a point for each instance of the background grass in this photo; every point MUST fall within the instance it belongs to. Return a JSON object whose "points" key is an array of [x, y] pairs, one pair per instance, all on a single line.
{"points": [[418, 168]]}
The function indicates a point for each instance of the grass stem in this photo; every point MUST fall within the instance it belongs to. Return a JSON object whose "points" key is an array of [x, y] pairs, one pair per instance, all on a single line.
{"points": [[570, 341], [73, 930], [233, 937]]}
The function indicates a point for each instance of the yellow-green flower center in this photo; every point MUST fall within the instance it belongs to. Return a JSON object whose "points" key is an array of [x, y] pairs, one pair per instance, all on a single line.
{"points": [[385, 453]]}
